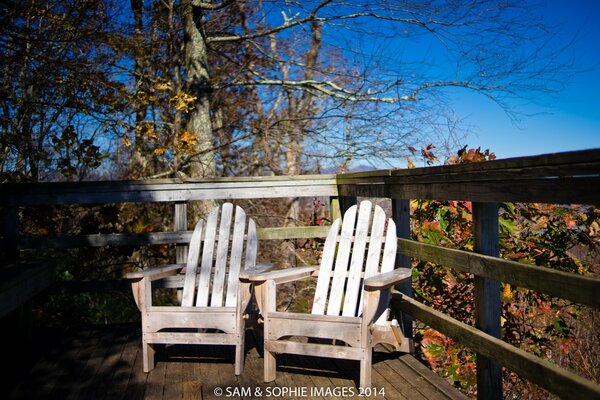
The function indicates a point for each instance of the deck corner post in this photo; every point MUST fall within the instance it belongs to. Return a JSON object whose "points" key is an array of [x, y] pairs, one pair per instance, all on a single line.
{"points": [[401, 216], [180, 226], [487, 297]]}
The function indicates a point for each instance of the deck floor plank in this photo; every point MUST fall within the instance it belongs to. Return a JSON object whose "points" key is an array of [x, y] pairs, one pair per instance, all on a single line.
{"points": [[124, 372], [156, 378], [116, 341], [191, 375], [106, 363], [174, 376], [400, 380], [73, 355], [136, 384]]}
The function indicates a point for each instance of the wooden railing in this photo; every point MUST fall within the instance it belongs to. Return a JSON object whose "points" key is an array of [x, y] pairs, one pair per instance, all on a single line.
{"points": [[565, 178]]}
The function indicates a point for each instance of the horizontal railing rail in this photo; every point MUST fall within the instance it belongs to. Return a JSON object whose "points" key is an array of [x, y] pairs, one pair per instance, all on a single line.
{"points": [[154, 238], [166, 190]]}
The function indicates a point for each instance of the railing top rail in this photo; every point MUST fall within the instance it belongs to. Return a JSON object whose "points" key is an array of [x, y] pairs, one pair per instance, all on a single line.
{"points": [[588, 159], [160, 190], [570, 177], [562, 178]]}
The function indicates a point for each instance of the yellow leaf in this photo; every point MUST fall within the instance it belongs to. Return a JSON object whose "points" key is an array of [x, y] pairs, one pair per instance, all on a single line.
{"points": [[507, 293], [125, 140], [160, 151], [183, 101], [162, 86]]}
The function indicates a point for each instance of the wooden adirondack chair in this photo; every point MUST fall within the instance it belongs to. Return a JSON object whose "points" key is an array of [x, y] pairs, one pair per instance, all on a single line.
{"points": [[351, 297], [213, 297]]}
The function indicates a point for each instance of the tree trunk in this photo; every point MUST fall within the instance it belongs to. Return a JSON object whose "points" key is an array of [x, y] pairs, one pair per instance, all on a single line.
{"points": [[139, 162], [198, 85], [202, 163]]}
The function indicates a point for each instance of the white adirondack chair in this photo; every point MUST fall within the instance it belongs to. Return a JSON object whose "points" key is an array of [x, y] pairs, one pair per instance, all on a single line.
{"points": [[351, 297], [213, 297]]}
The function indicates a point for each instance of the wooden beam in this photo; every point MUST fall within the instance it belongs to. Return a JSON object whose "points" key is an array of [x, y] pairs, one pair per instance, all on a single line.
{"points": [[292, 232], [336, 210], [153, 238], [540, 165], [180, 225], [570, 286], [166, 190], [575, 190], [557, 380], [487, 298], [585, 190], [523, 179]]}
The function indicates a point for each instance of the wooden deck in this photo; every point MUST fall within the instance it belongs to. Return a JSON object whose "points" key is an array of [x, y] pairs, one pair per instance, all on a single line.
{"points": [[106, 363]]}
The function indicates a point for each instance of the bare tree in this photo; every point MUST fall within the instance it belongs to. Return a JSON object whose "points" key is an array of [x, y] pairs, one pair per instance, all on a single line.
{"points": [[339, 78]]}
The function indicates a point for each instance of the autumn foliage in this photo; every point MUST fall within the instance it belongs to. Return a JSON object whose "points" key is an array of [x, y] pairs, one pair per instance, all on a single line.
{"points": [[563, 237]]}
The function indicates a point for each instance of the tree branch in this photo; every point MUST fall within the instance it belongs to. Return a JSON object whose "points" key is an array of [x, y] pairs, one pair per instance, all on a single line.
{"points": [[287, 24], [211, 6]]}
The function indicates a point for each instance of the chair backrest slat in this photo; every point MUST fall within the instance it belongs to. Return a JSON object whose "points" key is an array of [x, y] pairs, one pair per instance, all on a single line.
{"points": [[207, 258], [235, 258], [251, 245], [322, 289], [216, 299], [357, 261], [388, 264], [189, 284]]}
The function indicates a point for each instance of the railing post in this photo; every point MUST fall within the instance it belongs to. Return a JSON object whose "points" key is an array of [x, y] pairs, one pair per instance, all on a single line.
{"points": [[334, 205], [401, 216], [10, 228], [487, 298], [181, 225]]}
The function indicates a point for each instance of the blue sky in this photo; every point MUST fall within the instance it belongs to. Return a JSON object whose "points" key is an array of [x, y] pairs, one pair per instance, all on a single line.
{"points": [[570, 120]]}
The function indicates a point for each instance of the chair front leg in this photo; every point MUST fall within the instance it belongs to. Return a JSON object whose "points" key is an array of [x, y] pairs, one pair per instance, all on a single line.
{"points": [[371, 299], [268, 294], [148, 352], [365, 368], [242, 305]]}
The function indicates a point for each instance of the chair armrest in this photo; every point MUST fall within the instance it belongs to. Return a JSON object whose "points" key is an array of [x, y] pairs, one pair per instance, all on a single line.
{"points": [[387, 279], [257, 269], [157, 272], [280, 276]]}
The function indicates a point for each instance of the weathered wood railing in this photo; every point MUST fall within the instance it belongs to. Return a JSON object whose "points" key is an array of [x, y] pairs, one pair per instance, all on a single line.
{"points": [[565, 178], [174, 191]]}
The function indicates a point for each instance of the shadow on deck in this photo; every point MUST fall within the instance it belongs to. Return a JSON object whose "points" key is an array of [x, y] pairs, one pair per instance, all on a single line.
{"points": [[106, 363]]}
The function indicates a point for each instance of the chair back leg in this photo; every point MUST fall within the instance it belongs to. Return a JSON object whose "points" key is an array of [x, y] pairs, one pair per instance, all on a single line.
{"points": [[148, 356], [239, 354]]}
